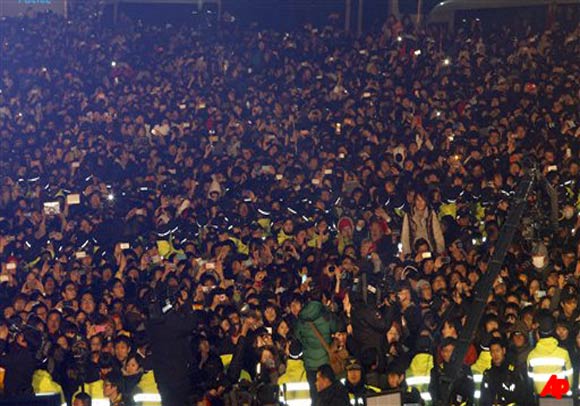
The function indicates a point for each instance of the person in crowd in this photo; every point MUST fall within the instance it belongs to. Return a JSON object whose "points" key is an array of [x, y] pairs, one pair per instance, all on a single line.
{"points": [[396, 381], [314, 330], [17, 357], [355, 383], [159, 185], [446, 389], [113, 389], [82, 399], [330, 391], [519, 346], [421, 222], [502, 383], [548, 358]]}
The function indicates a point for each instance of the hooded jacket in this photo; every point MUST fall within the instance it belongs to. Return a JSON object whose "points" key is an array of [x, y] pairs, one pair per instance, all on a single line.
{"points": [[315, 354], [548, 358]]}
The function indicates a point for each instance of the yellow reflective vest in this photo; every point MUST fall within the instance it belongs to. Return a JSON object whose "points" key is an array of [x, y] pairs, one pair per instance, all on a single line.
{"points": [[548, 359], [447, 209], [93, 389], [42, 382], [478, 368], [148, 387], [227, 360], [282, 236], [418, 374], [294, 380]]}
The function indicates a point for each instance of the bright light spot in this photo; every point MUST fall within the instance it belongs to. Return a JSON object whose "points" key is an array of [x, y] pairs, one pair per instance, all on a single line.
{"points": [[147, 397], [446, 61], [417, 52], [438, 113], [110, 197], [113, 64], [399, 38]]}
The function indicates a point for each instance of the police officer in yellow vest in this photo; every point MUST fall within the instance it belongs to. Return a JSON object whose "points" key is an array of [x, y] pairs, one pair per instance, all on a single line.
{"points": [[483, 361], [502, 384], [547, 358], [355, 383], [419, 372]]}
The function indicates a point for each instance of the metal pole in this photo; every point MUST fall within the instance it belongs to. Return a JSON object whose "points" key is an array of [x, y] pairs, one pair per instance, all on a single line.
{"points": [[347, 12], [360, 17], [419, 10], [394, 8], [115, 11], [485, 284]]}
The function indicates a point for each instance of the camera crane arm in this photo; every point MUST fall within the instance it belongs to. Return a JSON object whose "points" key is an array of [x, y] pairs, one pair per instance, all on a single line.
{"points": [[507, 233]]}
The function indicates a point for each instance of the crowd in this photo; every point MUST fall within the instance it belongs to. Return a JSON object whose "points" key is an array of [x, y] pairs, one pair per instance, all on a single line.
{"points": [[180, 209]]}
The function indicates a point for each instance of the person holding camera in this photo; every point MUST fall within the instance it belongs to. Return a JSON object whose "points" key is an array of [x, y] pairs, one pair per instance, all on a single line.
{"points": [[169, 328], [18, 359]]}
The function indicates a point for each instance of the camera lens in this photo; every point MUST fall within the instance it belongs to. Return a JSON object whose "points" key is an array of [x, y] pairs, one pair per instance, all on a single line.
{"points": [[331, 269]]}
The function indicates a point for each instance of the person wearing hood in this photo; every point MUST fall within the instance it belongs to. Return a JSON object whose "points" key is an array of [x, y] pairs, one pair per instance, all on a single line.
{"points": [[548, 358], [541, 260], [519, 346], [315, 323], [369, 326]]}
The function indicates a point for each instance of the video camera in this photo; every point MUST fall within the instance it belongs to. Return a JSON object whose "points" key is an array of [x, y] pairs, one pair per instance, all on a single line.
{"points": [[162, 300], [258, 393]]}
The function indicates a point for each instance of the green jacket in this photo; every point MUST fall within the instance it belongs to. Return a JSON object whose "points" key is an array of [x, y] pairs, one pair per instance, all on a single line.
{"points": [[314, 353]]}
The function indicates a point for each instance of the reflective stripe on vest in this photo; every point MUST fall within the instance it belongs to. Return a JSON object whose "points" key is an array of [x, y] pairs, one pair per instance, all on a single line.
{"points": [[418, 380], [547, 361], [296, 386], [147, 397], [546, 377]]}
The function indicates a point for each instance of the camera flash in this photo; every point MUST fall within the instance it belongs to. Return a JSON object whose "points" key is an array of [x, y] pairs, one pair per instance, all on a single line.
{"points": [[113, 64]]}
